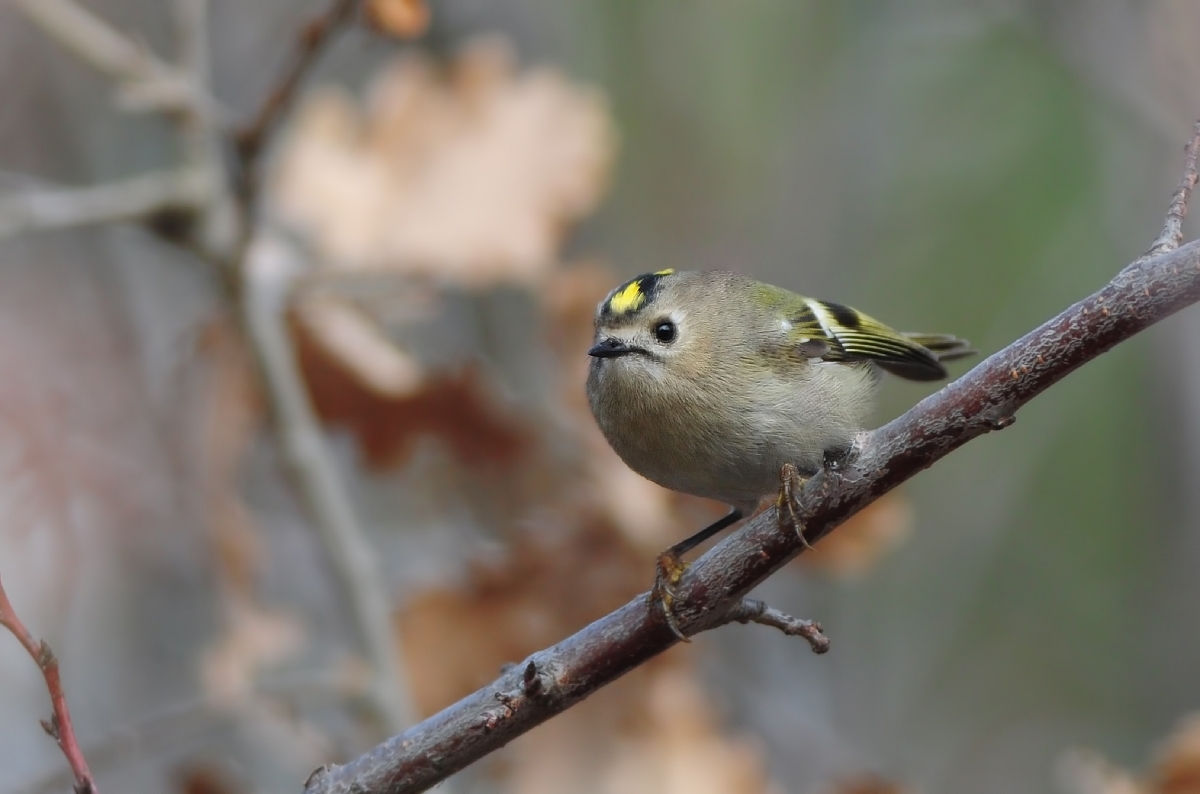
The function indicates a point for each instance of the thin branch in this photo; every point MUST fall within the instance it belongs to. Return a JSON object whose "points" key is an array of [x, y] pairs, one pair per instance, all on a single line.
{"points": [[1171, 236], [59, 727], [200, 190], [252, 139], [147, 82], [217, 233], [751, 610], [256, 280], [184, 721], [270, 270], [267, 270], [983, 400], [130, 199]]}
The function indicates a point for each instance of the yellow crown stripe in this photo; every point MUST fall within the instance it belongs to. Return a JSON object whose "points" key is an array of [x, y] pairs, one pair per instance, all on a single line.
{"points": [[628, 299], [633, 296]]}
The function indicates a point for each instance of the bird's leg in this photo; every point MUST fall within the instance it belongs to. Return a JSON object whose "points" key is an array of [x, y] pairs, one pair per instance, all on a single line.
{"points": [[671, 566], [834, 457], [790, 483]]}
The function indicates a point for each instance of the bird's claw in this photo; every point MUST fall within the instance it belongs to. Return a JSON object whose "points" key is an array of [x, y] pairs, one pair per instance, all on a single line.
{"points": [[670, 570], [790, 483]]}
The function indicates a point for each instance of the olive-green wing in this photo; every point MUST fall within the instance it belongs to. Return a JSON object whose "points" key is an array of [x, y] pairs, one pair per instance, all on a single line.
{"points": [[849, 335]]}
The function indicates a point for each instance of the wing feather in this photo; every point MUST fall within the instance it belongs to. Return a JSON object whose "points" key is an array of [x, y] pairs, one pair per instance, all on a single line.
{"points": [[852, 336]]}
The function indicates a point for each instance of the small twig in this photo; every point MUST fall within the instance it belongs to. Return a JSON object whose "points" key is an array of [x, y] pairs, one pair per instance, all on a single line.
{"points": [[204, 190], [752, 610], [147, 82], [183, 721], [216, 231], [1171, 236], [264, 270], [198, 192], [59, 726], [1140, 295], [270, 269], [252, 139], [135, 198]]}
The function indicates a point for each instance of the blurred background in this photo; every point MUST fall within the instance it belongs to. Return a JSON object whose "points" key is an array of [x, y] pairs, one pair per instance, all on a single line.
{"points": [[276, 483]]}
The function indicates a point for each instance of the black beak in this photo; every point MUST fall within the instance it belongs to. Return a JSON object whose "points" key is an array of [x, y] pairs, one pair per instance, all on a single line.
{"points": [[610, 348]]}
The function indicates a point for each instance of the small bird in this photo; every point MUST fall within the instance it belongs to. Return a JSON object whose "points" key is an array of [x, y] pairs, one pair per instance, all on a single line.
{"points": [[708, 383]]}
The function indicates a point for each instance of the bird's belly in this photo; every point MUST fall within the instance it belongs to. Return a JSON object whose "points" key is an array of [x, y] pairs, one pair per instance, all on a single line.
{"points": [[728, 444], [737, 462]]}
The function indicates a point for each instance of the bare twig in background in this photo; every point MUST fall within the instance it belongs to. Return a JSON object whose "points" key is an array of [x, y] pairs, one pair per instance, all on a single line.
{"points": [[198, 191], [136, 198], [145, 81], [252, 139], [187, 720], [270, 270], [985, 399], [59, 726], [216, 231], [204, 190]]}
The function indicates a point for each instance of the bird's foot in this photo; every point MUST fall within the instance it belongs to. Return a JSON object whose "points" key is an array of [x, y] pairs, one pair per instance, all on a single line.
{"points": [[786, 504], [670, 568]]}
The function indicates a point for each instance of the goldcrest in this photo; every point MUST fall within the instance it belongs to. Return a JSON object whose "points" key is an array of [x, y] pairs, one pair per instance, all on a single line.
{"points": [[708, 383]]}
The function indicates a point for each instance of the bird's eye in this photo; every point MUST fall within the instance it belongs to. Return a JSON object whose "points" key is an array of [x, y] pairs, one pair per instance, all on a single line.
{"points": [[665, 331]]}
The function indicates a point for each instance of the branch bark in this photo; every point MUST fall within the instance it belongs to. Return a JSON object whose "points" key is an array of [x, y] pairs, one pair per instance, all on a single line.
{"points": [[987, 398]]}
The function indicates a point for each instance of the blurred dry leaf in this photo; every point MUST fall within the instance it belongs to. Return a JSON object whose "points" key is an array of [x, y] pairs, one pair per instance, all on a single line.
{"points": [[652, 732], [204, 779], [647, 514], [1177, 768], [858, 544], [456, 408], [404, 19], [868, 785], [1082, 771], [456, 639], [683, 750], [473, 174], [255, 638], [359, 344]]}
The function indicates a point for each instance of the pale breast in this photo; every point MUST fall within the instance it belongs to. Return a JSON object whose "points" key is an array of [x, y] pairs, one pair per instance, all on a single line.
{"points": [[728, 443]]}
